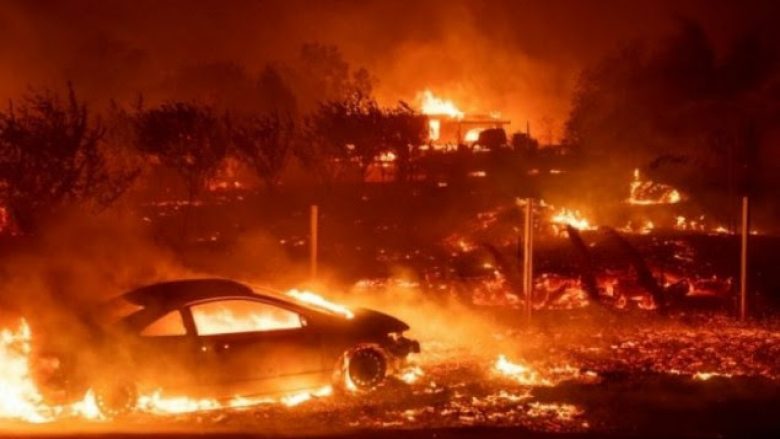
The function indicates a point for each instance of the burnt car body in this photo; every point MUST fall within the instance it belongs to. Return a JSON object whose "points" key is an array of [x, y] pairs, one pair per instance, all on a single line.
{"points": [[250, 342]]}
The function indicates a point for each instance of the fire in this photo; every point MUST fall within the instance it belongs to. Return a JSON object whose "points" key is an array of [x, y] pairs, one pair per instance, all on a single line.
{"points": [[472, 135], [573, 218], [386, 157], [156, 403], [432, 105], [523, 374], [216, 318], [411, 374], [320, 302], [649, 192], [19, 397]]}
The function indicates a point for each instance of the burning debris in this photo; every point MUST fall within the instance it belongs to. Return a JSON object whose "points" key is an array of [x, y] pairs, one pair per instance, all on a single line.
{"points": [[647, 192]]}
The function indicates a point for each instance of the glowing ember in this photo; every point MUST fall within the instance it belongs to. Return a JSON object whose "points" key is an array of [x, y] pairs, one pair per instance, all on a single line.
{"points": [[565, 412], [320, 302], [649, 192]]}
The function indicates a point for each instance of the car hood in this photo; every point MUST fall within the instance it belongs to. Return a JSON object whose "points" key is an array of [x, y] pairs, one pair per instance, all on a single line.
{"points": [[370, 320]]}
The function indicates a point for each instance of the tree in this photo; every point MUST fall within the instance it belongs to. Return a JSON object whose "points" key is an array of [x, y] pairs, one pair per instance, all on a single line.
{"points": [[403, 131], [275, 95], [52, 154], [677, 109], [342, 132], [265, 143], [185, 137], [322, 75]]}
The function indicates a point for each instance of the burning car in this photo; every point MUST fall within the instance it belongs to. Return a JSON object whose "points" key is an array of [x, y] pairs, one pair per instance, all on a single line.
{"points": [[220, 338]]}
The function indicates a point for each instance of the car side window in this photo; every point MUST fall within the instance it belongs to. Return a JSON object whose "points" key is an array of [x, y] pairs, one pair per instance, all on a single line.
{"points": [[168, 325], [234, 316]]}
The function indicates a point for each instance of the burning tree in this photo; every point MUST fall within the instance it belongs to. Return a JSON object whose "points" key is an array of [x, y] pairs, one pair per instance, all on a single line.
{"points": [[52, 154], [185, 137]]}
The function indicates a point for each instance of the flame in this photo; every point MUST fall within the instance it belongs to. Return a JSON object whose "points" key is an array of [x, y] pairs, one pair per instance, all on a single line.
{"points": [[320, 302], [523, 374], [705, 376], [649, 192], [21, 399], [19, 396], [387, 157], [228, 318], [301, 397], [472, 135], [432, 105], [573, 218], [411, 374], [156, 403]]}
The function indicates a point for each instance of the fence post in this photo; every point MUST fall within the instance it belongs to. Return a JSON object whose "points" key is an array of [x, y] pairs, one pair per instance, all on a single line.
{"points": [[528, 257], [313, 237], [743, 258]]}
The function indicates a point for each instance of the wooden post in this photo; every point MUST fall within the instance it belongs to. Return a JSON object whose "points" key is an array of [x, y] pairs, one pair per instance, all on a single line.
{"points": [[313, 236], [743, 259], [528, 263]]}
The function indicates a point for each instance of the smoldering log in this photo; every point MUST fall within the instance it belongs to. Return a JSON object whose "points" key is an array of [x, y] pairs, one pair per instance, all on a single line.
{"points": [[585, 262], [645, 277]]}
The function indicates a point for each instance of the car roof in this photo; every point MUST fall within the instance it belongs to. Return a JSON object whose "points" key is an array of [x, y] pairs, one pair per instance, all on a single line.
{"points": [[174, 294]]}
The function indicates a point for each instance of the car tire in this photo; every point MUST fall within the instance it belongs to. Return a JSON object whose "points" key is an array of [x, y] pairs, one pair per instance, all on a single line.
{"points": [[365, 368], [115, 399]]}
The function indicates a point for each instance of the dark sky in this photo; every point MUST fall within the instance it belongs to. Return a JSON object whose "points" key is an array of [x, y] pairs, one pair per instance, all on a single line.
{"points": [[518, 57]]}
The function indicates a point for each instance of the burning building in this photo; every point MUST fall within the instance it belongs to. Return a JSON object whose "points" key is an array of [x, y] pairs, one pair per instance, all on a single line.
{"points": [[448, 125]]}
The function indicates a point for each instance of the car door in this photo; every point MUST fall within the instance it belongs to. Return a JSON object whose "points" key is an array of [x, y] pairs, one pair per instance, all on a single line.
{"points": [[252, 346], [164, 353]]}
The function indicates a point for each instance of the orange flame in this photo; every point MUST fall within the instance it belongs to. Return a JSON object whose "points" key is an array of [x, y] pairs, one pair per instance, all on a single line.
{"points": [[649, 192], [432, 105], [573, 218], [320, 302]]}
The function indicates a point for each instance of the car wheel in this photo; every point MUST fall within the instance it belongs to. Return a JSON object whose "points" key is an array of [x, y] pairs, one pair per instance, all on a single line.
{"points": [[366, 368], [115, 399]]}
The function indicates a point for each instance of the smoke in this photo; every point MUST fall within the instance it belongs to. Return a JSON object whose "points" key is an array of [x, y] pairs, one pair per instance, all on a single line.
{"points": [[80, 260], [520, 58]]}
